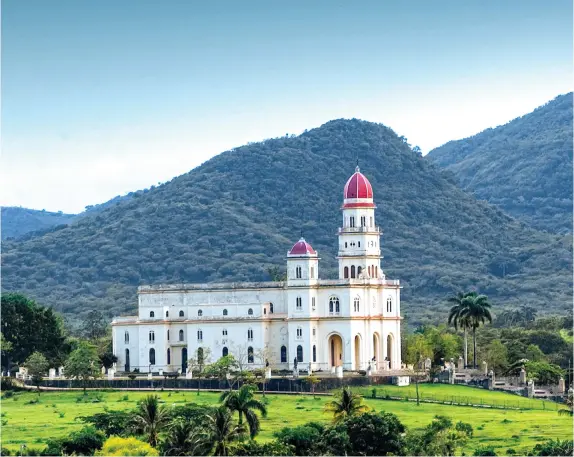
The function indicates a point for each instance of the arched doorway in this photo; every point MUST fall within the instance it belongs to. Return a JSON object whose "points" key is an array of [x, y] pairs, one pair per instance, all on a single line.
{"points": [[127, 366], [390, 350], [357, 352], [183, 360], [335, 351], [376, 350]]}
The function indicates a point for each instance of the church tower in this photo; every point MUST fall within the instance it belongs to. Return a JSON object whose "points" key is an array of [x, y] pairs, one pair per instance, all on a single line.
{"points": [[359, 237]]}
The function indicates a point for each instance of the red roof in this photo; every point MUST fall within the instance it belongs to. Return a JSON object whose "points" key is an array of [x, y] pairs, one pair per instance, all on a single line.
{"points": [[358, 186], [301, 247]]}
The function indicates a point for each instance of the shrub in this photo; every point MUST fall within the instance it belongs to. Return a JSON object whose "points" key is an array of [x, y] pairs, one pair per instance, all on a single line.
{"points": [[551, 447], [4, 451], [118, 446], [8, 394], [83, 442], [511, 451], [374, 393], [110, 422], [464, 427], [249, 448], [484, 450]]}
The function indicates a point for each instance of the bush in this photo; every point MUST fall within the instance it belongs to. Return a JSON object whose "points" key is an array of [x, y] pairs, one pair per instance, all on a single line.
{"points": [[465, 428], [374, 393], [8, 394], [484, 450], [117, 446], [4, 451], [375, 433], [110, 422], [511, 451], [249, 448], [82, 442], [551, 447]]}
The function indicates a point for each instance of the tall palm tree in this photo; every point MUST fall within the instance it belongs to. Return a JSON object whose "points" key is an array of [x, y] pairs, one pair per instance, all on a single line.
{"points": [[345, 404], [220, 431], [150, 417], [244, 402], [457, 319], [181, 438], [476, 311]]}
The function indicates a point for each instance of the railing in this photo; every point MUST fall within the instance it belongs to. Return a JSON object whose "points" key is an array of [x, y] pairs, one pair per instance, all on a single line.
{"points": [[363, 229]]}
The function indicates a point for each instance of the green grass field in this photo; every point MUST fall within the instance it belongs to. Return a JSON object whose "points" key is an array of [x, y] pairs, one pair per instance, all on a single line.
{"points": [[56, 414]]}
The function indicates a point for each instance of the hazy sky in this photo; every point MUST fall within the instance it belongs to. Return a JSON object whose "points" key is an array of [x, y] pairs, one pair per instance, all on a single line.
{"points": [[104, 97]]}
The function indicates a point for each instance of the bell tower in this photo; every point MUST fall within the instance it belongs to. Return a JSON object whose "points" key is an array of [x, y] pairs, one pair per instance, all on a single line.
{"points": [[359, 237]]}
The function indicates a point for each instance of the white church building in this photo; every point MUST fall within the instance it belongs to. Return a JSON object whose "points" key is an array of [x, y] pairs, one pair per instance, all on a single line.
{"points": [[353, 321]]}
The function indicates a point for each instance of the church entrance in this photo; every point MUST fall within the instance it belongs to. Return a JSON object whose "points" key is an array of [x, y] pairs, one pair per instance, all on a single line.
{"points": [[335, 351], [390, 350], [183, 360], [357, 352], [127, 367]]}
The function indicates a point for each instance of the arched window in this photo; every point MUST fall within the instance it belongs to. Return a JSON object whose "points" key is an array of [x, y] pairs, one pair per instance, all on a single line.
{"points": [[167, 314], [224, 332], [312, 272], [168, 335], [181, 335], [356, 304], [389, 305], [168, 356], [359, 244], [359, 270], [374, 302], [299, 304], [199, 335], [127, 365], [249, 354], [345, 244], [271, 308], [264, 311], [352, 271], [334, 305], [152, 356], [346, 274], [199, 312], [298, 272], [299, 353], [225, 351], [283, 354], [250, 335], [151, 314], [127, 337], [250, 312], [313, 303], [225, 312], [369, 271], [314, 353], [151, 336], [180, 313], [376, 271], [363, 221], [299, 333]]}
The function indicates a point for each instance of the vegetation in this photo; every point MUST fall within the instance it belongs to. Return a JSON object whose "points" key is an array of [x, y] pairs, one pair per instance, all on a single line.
{"points": [[83, 363], [18, 221], [244, 402], [524, 167], [37, 366], [117, 446], [150, 418], [345, 404], [234, 217]]}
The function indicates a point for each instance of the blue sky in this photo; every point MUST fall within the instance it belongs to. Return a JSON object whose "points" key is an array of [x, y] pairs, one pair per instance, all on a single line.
{"points": [[105, 97]]}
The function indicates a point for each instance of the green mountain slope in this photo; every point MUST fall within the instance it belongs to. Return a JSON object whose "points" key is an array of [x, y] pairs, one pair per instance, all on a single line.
{"points": [[239, 213], [524, 167], [18, 221]]}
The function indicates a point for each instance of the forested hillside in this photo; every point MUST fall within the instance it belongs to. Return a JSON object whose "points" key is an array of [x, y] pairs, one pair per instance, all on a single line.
{"points": [[18, 221], [524, 167], [239, 213]]}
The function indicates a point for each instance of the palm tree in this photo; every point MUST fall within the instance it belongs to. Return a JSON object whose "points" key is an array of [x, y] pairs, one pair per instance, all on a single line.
{"points": [[181, 439], [244, 402], [475, 310], [457, 319], [569, 403], [346, 404], [220, 431], [150, 418]]}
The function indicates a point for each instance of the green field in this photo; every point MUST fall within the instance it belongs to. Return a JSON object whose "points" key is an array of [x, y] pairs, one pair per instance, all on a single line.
{"points": [[56, 415]]}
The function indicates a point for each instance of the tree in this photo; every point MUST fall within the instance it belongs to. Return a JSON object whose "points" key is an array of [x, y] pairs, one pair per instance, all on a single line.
{"points": [[265, 356], [418, 349], [302, 438], [150, 418], [110, 422], [457, 318], [104, 348], [553, 447], [440, 437], [312, 381], [220, 432], [95, 325], [181, 438], [252, 447], [37, 366], [117, 446], [345, 404], [276, 273], [375, 433], [83, 363], [496, 356], [244, 402], [222, 369], [543, 373], [198, 364], [475, 310], [569, 402]]}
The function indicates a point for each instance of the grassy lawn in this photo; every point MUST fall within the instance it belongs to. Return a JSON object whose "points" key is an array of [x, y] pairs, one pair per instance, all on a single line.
{"points": [[56, 415]]}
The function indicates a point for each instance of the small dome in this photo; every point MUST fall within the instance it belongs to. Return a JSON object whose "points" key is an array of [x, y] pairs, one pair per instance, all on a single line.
{"points": [[301, 247], [358, 186]]}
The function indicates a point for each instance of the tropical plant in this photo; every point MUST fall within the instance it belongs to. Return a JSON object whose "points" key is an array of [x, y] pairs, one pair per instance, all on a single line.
{"points": [[457, 318], [312, 381], [181, 438], [117, 446], [150, 418], [375, 433], [553, 447], [220, 431], [345, 404], [244, 402], [475, 310]]}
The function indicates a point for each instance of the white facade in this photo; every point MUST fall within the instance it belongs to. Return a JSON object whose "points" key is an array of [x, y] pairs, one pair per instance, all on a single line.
{"points": [[323, 323]]}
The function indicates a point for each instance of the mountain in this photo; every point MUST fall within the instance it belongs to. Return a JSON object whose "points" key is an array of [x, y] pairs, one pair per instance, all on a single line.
{"points": [[17, 221], [524, 167], [238, 214]]}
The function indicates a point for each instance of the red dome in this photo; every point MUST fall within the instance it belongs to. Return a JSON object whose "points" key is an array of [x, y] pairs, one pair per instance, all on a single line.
{"points": [[301, 247], [358, 186]]}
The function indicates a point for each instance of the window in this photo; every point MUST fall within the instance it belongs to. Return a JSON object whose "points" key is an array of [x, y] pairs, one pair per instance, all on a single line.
{"points": [[389, 305], [359, 244], [264, 311], [352, 271], [270, 308], [151, 314], [371, 221], [250, 312], [363, 221], [181, 335], [127, 337], [151, 336], [374, 302], [298, 272], [299, 333], [225, 312], [376, 272], [351, 221], [249, 354], [199, 335], [168, 356], [167, 314], [299, 304], [250, 335], [224, 332], [181, 313], [152, 356], [312, 272], [199, 312], [299, 353], [345, 244], [333, 305], [314, 353], [359, 270], [283, 354], [314, 331], [356, 304], [168, 335], [313, 303], [224, 352], [346, 274]]}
